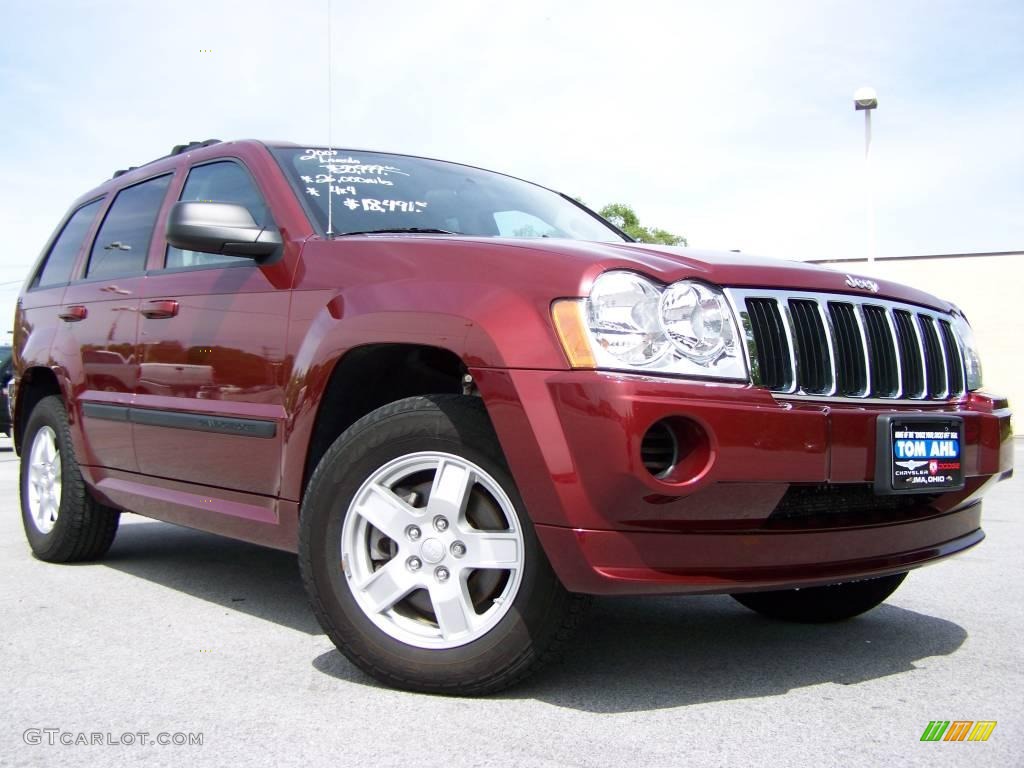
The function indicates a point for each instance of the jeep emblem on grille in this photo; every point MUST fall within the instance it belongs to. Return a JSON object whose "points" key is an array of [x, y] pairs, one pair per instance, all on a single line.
{"points": [[862, 282]]}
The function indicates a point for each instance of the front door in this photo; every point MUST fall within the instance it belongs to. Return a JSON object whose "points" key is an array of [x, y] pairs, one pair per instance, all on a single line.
{"points": [[209, 404]]}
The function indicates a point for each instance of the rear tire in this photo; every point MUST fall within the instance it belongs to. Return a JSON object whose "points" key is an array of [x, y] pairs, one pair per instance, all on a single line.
{"points": [[816, 605], [63, 522], [418, 556]]}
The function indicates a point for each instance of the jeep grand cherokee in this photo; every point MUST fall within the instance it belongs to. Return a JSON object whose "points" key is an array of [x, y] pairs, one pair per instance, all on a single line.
{"points": [[467, 402]]}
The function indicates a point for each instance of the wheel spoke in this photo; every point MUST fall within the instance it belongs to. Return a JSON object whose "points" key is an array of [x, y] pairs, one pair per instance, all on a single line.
{"points": [[491, 549], [453, 608], [44, 480], [385, 511], [387, 585], [450, 490]]}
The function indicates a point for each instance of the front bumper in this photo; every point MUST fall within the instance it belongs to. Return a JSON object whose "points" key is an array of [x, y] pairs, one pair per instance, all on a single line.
{"points": [[572, 440]]}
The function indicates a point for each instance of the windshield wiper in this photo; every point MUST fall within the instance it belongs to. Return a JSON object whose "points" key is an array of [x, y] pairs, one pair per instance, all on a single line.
{"points": [[400, 231]]}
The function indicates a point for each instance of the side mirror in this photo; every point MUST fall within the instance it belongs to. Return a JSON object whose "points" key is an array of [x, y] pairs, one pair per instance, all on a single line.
{"points": [[224, 228]]}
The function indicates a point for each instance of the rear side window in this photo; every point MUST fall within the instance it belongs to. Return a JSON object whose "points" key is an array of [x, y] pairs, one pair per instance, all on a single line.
{"points": [[60, 260], [223, 182], [123, 240]]}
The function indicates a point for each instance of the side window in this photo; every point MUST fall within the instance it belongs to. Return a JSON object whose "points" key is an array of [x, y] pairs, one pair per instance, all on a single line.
{"points": [[123, 240], [57, 268], [223, 182]]}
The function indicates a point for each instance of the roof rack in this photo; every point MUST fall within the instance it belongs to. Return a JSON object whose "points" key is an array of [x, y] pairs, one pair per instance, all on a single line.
{"points": [[177, 149]]}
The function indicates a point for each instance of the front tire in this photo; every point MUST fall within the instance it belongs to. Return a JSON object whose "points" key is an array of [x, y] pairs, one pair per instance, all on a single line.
{"points": [[817, 605], [63, 522], [420, 562]]}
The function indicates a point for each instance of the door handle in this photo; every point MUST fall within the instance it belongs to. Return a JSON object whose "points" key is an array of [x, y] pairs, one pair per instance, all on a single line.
{"points": [[73, 314], [160, 309]]}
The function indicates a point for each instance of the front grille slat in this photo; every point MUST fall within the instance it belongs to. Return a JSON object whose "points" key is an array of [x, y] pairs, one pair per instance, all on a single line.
{"points": [[851, 347], [814, 374], [954, 362], [852, 373], [770, 335], [910, 354], [882, 349], [935, 361]]}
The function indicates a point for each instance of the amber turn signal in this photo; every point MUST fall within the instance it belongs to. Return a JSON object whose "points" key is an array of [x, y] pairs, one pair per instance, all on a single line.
{"points": [[571, 327]]}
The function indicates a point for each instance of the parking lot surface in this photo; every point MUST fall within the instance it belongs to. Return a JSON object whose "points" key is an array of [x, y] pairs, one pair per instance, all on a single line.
{"points": [[179, 632]]}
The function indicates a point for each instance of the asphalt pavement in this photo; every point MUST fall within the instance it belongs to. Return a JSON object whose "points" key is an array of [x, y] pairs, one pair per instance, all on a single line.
{"points": [[181, 636]]}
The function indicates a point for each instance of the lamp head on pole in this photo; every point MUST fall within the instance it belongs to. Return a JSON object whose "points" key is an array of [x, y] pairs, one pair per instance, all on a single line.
{"points": [[865, 98]]}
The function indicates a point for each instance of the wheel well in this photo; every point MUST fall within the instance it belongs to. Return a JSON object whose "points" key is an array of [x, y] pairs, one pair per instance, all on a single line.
{"points": [[374, 375], [34, 385]]}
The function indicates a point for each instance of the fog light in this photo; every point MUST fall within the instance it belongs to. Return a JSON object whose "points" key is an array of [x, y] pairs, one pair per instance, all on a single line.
{"points": [[659, 449], [676, 450]]}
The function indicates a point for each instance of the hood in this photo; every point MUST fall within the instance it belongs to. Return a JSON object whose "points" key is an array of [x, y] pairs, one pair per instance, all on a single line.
{"points": [[670, 263], [555, 268]]}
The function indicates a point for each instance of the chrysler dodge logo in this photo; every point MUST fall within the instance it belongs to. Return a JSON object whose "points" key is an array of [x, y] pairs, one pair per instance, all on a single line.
{"points": [[862, 283]]}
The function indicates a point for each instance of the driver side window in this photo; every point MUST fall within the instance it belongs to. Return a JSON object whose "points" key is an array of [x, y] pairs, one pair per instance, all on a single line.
{"points": [[220, 182]]}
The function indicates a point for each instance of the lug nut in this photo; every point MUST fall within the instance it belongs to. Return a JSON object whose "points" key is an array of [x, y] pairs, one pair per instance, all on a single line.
{"points": [[458, 548], [440, 523], [413, 532], [442, 573], [413, 563]]}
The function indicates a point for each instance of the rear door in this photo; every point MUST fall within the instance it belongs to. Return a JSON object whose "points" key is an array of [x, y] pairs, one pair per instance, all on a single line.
{"points": [[209, 404], [100, 311]]}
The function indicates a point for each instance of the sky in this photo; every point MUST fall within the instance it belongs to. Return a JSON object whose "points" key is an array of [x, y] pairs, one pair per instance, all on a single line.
{"points": [[729, 122]]}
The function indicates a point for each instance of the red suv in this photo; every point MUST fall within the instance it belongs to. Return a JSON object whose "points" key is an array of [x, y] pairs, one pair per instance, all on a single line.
{"points": [[468, 402]]}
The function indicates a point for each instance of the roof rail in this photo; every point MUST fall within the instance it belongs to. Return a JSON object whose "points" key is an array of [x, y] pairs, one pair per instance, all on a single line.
{"points": [[177, 149]]}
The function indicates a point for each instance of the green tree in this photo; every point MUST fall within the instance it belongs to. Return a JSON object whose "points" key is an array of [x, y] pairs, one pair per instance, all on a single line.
{"points": [[625, 218]]}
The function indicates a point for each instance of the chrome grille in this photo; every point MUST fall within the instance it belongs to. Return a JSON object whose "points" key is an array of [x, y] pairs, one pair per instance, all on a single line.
{"points": [[835, 345]]}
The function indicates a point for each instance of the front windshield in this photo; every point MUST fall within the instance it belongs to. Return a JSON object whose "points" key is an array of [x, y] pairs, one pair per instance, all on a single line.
{"points": [[375, 192]]}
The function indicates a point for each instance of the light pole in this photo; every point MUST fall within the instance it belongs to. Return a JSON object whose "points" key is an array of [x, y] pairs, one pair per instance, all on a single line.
{"points": [[866, 100]]}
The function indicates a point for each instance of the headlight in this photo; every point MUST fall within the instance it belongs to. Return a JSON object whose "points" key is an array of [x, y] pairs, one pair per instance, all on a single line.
{"points": [[697, 320], [622, 314], [972, 360], [634, 324]]}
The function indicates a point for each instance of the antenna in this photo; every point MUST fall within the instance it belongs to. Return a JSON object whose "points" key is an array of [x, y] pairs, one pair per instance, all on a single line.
{"points": [[330, 116]]}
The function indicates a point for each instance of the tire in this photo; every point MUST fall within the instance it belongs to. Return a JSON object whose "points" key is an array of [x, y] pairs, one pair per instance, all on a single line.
{"points": [[408, 607], [818, 605], [63, 522]]}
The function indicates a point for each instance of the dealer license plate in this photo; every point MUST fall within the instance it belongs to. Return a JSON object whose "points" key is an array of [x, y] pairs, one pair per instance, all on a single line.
{"points": [[920, 454]]}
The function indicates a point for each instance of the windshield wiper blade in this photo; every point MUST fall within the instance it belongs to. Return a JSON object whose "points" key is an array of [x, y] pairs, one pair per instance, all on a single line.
{"points": [[400, 231]]}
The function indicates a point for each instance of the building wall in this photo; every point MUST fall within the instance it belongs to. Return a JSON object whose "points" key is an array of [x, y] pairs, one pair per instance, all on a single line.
{"points": [[990, 290]]}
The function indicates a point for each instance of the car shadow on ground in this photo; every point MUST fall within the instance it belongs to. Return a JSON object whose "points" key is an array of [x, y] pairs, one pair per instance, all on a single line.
{"points": [[641, 654], [247, 578], [635, 654], [630, 654]]}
